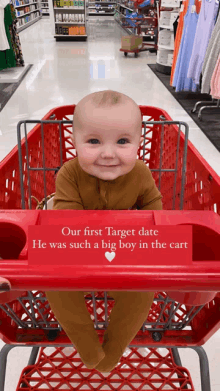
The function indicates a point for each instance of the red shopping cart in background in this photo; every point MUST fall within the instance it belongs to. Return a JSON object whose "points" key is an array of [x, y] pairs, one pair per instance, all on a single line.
{"points": [[187, 183]]}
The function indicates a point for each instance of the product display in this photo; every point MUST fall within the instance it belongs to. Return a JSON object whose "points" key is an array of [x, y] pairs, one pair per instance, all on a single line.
{"points": [[73, 13], [180, 80], [215, 81], [204, 30], [211, 57], [45, 7], [27, 12], [168, 18], [196, 55], [11, 57], [101, 7], [178, 37]]}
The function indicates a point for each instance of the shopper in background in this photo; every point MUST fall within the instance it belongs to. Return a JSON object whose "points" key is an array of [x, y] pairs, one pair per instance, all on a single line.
{"points": [[106, 174]]}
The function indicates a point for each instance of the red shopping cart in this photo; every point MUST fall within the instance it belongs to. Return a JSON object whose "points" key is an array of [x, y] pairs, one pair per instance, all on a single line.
{"points": [[187, 183]]}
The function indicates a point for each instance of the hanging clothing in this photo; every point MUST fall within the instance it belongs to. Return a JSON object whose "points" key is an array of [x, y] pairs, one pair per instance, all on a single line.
{"points": [[15, 41], [179, 33], [218, 12], [175, 25], [205, 26], [178, 38], [7, 57], [180, 80], [215, 81], [211, 58], [13, 56], [4, 45]]}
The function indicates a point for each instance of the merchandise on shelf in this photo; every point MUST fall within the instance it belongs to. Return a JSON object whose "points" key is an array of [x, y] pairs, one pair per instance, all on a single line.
{"points": [[27, 11], [166, 38], [101, 7], [66, 30], [71, 12], [166, 34], [165, 57]]}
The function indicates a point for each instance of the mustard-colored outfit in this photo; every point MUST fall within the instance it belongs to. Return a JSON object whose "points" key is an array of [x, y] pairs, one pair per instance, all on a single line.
{"points": [[75, 189]]}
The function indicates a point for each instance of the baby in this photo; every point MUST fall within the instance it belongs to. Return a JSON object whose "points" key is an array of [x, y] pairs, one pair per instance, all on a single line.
{"points": [[106, 174]]}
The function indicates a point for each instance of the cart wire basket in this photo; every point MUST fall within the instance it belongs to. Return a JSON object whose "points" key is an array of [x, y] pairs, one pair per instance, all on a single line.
{"points": [[186, 182]]}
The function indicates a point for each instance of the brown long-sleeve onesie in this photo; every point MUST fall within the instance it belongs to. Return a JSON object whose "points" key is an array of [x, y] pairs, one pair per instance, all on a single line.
{"points": [[76, 189]]}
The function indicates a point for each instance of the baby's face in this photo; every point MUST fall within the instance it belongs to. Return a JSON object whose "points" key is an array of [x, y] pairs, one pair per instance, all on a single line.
{"points": [[108, 140]]}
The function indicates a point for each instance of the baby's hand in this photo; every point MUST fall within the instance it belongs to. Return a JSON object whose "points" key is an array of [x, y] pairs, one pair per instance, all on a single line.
{"points": [[5, 285], [6, 294]]}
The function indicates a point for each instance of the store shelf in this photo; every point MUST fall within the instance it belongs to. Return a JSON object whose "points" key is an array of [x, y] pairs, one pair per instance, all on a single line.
{"points": [[20, 7], [129, 31], [74, 38], [45, 8], [25, 5], [124, 6], [101, 7], [101, 13], [121, 13], [172, 5], [82, 23], [167, 27], [20, 28], [69, 9], [68, 28], [165, 58], [69, 36], [27, 13]]}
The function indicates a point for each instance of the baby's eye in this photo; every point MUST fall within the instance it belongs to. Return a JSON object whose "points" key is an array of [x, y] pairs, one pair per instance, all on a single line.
{"points": [[92, 139], [95, 139], [126, 140]]}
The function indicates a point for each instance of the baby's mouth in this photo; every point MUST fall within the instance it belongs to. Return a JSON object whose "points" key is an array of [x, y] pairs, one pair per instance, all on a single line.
{"points": [[102, 165]]}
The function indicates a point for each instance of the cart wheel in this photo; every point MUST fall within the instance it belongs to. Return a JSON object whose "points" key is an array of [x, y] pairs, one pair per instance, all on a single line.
{"points": [[135, 54], [125, 54], [153, 50]]}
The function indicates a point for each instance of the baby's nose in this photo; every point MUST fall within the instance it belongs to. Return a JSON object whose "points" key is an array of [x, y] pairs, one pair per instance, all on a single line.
{"points": [[108, 151]]}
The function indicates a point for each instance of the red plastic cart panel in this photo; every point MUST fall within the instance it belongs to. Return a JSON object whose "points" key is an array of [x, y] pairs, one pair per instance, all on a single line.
{"points": [[202, 274], [107, 238], [138, 369]]}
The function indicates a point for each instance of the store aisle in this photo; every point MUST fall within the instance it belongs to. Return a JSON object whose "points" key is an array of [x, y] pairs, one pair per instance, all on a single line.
{"points": [[62, 74]]}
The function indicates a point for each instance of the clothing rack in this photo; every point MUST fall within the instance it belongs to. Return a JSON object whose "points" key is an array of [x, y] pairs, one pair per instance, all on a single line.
{"points": [[205, 107]]}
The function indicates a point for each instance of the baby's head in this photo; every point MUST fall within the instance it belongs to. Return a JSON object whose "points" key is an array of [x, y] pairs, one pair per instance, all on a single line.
{"points": [[107, 128]]}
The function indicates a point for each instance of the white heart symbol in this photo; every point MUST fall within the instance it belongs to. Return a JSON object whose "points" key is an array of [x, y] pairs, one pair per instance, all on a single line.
{"points": [[110, 256]]}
